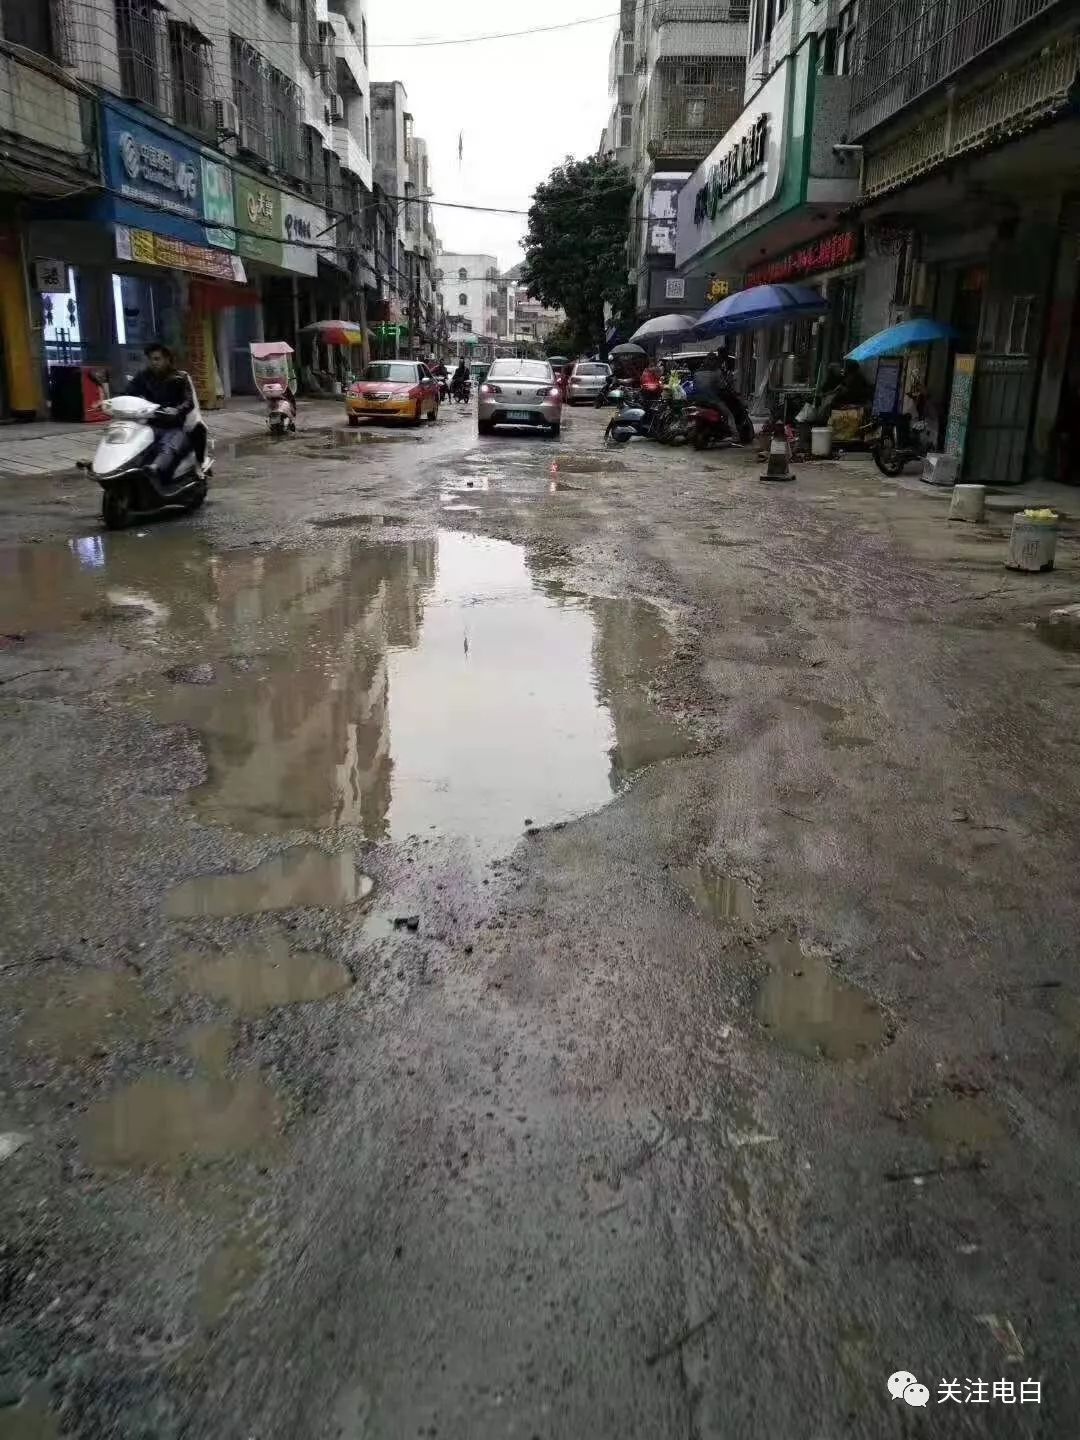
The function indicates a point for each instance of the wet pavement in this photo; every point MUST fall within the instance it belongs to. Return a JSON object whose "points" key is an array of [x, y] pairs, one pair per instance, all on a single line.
{"points": [[499, 938]]}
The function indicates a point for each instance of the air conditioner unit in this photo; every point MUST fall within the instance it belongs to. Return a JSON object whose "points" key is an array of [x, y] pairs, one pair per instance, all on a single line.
{"points": [[336, 108], [227, 116], [249, 138]]}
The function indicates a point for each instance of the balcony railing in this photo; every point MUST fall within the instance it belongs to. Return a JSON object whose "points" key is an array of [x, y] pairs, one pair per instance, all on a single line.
{"points": [[906, 48], [699, 12]]}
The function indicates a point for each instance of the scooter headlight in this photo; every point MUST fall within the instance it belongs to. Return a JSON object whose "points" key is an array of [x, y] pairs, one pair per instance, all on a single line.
{"points": [[119, 432]]}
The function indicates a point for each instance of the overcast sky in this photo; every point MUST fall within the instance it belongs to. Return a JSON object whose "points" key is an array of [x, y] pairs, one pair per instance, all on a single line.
{"points": [[522, 105]]}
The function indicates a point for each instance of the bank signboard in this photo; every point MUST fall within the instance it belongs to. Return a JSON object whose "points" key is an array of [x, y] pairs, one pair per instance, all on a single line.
{"points": [[258, 219], [742, 175]]}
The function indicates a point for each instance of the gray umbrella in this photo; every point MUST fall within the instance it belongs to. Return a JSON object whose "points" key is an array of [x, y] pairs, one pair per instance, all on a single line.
{"points": [[664, 327], [626, 350]]}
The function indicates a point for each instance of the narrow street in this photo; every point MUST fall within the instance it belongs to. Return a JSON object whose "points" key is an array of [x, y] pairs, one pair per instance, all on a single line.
{"points": [[509, 938]]}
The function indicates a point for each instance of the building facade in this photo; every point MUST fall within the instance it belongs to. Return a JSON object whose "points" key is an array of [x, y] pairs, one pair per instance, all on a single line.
{"points": [[469, 287], [772, 202], [199, 171], [676, 83], [970, 186]]}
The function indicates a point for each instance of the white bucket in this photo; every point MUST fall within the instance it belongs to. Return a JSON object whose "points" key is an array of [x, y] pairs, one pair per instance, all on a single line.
{"points": [[968, 503], [1032, 544], [821, 442]]}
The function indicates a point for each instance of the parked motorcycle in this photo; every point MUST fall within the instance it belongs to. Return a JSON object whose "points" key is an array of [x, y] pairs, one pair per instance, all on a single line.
{"points": [[899, 440], [122, 466], [631, 417], [726, 423]]}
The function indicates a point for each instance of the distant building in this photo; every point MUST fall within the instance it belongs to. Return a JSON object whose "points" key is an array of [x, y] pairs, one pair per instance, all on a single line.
{"points": [[469, 287]]}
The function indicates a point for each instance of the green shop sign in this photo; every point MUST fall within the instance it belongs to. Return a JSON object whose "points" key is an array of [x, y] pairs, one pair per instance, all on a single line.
{"points": [[258, 220]]}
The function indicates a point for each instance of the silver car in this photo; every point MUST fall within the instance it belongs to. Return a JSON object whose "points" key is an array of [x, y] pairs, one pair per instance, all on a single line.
{"points": [[587, 379], [519, 392]]}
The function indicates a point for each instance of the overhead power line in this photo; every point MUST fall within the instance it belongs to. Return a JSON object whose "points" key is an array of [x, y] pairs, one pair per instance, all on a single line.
{"points": [[498, 35]]}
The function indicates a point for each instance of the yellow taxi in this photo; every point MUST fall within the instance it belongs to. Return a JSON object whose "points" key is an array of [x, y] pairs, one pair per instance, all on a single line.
{"points": [[397, 389]]}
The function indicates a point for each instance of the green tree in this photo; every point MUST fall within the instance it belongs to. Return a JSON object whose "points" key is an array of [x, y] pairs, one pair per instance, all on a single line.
{"points": [[575, 247]]}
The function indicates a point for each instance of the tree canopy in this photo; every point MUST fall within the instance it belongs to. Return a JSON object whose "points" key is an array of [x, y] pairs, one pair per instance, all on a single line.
{"points": [[575, 246]]}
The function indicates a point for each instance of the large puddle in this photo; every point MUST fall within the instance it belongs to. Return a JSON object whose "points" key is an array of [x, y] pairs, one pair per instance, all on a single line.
{"points": [[254, 979], [302, 876], [397, 688]]}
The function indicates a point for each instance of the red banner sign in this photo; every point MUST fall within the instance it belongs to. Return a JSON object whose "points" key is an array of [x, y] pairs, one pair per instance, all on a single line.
{"points": [[828, 253]]}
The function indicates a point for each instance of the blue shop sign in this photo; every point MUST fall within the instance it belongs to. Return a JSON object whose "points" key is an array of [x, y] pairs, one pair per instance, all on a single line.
{"points": [[154, 176]]}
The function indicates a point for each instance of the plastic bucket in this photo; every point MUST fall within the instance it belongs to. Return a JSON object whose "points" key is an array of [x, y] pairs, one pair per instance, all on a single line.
{"points": [[821, 442], [1032, 544]]}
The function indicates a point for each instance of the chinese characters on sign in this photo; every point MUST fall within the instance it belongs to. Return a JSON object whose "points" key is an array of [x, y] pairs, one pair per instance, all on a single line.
{"points": [[741, 160], [718, 290], [828, 253], [903, 1385], [144, 248]]}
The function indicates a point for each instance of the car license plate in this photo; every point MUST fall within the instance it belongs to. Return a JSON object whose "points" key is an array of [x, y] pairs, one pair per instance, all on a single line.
{"points": [[519, 415]]}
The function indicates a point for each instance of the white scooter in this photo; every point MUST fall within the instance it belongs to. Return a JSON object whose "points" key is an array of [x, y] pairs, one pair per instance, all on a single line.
{"points": [[280, 411], [121, 466]]}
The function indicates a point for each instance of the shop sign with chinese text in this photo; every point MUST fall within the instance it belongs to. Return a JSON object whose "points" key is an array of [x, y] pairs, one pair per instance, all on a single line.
{"points": [[830, 252], [258, 219], [142, 247]]}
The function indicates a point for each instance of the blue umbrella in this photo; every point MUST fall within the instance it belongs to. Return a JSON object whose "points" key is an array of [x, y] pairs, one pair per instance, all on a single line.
{"points": [[901, 337], [761, 305]]}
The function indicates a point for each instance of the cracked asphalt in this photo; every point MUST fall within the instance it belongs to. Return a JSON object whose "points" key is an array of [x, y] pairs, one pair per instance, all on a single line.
{"points": [[507, 938]]}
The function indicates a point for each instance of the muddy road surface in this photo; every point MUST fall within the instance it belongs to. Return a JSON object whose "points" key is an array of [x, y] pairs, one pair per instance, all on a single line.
{"points": [[503, 938]]}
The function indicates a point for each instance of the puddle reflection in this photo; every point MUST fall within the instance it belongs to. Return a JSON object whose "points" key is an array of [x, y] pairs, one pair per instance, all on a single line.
{"points": [[399, 687]]}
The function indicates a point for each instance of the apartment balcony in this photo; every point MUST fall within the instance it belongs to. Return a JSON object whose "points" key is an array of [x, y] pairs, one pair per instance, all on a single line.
{"points": [[700, 12], [691, 108], [49, 121], [906, 49], [701, 31], [352, 73], [351, 155]]}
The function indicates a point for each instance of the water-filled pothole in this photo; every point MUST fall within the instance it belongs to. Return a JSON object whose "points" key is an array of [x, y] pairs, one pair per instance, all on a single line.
{"points": [[303, 876], [395, 687], [805, 1006]]}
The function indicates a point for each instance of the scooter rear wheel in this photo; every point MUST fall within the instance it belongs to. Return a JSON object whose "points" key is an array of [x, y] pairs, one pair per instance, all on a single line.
{"points": [[116, 508], [197, 498]]}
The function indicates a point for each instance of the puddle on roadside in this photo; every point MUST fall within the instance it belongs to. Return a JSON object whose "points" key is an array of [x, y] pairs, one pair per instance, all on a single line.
{"points": [[810, 1010], [76, 1015], [961, 1124], [723, 897], [227, 1273], [831, 714], [257, 978], [303, 876], [162, 1122], [210, 1046], [357, 522], [28, 1422], [833, 741], [395, 686]]}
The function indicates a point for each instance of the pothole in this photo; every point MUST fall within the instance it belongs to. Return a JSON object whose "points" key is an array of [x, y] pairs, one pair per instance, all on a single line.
{"points": [[303, 876], [809, 1009]]}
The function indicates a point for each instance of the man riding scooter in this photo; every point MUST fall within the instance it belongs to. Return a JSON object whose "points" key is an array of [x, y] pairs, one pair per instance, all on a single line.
{"points": [[178, 424]]}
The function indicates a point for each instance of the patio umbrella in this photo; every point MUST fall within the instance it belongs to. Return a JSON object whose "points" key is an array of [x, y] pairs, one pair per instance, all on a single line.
{"points": [[761, 305], [664, 327], [334, 332], [627, 349], [898, 338]]}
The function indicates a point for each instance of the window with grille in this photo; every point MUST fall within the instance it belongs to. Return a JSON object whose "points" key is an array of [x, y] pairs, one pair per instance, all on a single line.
{"points": [[29, 23], [249, 92], [271, 112], [462, 274], [309, 35], [463, 299], [191, 77], [626, 126], [140, 32], [847, 24]]}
